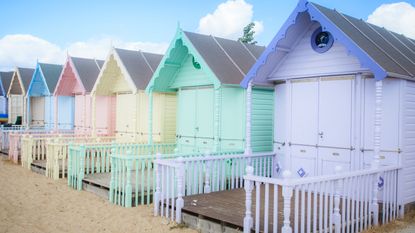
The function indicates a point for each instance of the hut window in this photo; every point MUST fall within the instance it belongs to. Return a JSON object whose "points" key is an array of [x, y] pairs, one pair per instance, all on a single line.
{"points": [[196, 64], [321, 41]]}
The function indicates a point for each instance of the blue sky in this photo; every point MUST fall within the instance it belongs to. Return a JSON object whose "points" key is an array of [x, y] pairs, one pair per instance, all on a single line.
{"points": [[63, 23]]}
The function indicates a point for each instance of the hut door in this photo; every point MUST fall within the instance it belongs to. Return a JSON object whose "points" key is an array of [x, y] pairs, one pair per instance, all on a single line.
{"points": [[204, 119], [37, 111], [304, 128], [335, 124], [195, 121], [126, 110], [16, 107], [186, 120]]}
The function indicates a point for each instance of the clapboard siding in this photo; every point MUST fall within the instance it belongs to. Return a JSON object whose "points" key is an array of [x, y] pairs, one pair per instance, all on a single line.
{"points": [[409, 142], [262, 119], [168, 132], [188, 75], [303, 61]]}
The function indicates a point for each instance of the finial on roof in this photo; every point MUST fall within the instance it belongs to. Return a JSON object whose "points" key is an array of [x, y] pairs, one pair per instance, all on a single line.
{"points": [[178, 24]]}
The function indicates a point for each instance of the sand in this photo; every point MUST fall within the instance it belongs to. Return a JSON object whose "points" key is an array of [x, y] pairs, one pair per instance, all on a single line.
{"points": [[30, 202]]}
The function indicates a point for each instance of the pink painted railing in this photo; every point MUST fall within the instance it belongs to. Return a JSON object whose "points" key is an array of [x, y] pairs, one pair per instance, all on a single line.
{"points": [[183, 176], [344, 202]]}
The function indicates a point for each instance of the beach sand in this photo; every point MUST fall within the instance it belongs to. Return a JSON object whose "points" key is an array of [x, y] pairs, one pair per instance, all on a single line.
{"points": [[30, 202]]}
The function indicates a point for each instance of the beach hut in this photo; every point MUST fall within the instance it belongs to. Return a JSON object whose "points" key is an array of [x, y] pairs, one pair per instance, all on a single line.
{"points": [[73, 93], [344, 149], [123, 79], [205, 72], [40, 100], [5, 80], [16, 95]]}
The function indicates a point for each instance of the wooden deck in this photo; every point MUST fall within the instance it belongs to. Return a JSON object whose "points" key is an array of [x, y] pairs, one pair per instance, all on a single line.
{"points": [[228, 207], [99, 183]]}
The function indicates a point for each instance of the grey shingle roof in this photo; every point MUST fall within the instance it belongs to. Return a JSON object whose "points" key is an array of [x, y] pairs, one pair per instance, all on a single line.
{"points": [[6, 78], [26, 76], [51, 73], [139, 65], [230, 60], [393, 52], [88, 70]]}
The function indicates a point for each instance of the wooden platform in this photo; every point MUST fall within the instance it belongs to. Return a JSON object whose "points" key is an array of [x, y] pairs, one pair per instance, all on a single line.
{"points": [[39, 166], [99, 183], [227, 208]]}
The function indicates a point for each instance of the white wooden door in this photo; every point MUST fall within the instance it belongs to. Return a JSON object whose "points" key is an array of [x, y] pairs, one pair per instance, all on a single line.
{"points": [[304, 128], [321, 125], [335, 124], [16, 108]]}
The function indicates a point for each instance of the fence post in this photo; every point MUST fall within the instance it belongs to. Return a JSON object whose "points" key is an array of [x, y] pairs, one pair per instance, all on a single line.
{"points": [[180, 182], [337, 194], [28, 156], [248, 186], [158, 181], [81, 170], [114, 167], [207, 188], [287, 193], [128, 188]]}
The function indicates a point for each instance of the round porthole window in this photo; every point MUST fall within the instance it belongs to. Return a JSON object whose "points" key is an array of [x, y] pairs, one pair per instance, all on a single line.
{"points": [[321, 41]]}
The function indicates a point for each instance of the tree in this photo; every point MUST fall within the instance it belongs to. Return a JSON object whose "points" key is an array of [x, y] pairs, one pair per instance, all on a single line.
{"points": [[248, 36]]}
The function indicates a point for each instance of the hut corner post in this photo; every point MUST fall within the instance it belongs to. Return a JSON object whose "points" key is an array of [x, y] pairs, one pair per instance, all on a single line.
{"points": [[376, 147], [218, 96], [248, 148], [28, 115], [150, 117]]}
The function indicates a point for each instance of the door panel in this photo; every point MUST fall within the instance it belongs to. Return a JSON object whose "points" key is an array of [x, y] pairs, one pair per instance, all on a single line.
{"points": [[126, 109], [204, 113], [37, 111], [330, 158], [186, 113], [335, 112], [304, 112], [303, 161], [79, 111], [66, 112]]}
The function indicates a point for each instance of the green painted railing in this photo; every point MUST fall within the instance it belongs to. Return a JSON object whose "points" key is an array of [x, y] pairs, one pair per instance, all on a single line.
{"points": [[95, 158], [133, 178]]}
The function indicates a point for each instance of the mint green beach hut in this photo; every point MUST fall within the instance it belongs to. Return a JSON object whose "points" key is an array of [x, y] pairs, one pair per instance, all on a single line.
{"points": [[205, 72]]}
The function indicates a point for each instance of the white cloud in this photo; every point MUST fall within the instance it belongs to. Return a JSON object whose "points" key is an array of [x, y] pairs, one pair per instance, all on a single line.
{"points": [[24, 50], [229, 19], [398, 17]]}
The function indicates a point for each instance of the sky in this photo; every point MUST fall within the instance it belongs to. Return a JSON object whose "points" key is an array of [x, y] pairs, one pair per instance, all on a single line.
{"points": [[47, 30]]}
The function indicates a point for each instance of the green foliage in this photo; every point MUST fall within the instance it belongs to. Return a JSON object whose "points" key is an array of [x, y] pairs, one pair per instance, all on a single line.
{"points": [[248, 36]]}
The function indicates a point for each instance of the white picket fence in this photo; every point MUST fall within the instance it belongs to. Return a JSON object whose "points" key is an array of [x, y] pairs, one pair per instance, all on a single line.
{"points": [[343, 202], [183, 176]]}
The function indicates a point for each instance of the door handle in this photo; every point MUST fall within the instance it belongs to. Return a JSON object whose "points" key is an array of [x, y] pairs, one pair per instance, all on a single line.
{"points": [[321, 134]]}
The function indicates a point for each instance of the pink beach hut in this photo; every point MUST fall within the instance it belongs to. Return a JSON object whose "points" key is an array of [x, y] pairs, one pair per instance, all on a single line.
{"points": [[76, 82]]}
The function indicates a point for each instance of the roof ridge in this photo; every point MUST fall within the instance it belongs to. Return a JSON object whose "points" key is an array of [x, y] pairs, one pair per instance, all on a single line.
{"points": [[383, 51], [145, 59], [399, 51], [252, 55], [229, 57]]}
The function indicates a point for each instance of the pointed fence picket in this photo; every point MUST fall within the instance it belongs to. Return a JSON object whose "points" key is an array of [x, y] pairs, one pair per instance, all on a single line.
{"points": [[343, 202], [206, 173], [85, 159], [32, 146], [57, 152], [15, 140]]}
